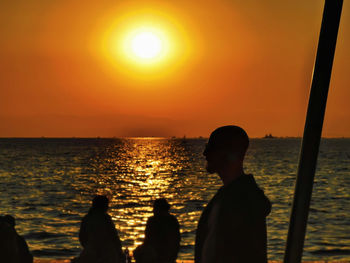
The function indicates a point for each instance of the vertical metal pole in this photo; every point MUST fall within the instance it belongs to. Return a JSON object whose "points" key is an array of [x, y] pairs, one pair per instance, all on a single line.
{"points": [[313, 129]]}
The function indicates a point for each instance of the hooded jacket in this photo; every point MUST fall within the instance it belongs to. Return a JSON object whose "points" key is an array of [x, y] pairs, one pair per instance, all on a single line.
{"points": [[232, 227]]}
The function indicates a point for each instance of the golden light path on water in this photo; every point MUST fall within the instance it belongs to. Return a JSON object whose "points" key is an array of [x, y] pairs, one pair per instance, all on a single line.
{"points": [[153, 170], [146, 176]]}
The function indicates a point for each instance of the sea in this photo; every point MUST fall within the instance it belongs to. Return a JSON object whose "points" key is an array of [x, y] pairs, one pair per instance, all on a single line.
{"points": [[47, 184]]}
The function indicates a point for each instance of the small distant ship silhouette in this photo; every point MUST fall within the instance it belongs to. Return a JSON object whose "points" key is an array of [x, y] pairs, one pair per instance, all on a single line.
{"points": [[269, 136]]}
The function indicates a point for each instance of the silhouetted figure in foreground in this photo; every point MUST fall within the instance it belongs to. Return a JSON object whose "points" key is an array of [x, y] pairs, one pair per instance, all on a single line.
{"points": [[162, 236], [232, 227], [15, 246], [8, 243], [98, 236]]}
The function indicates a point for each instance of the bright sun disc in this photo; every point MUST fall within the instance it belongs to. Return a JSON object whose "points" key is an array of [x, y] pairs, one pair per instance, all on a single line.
{"points": [[146, 45]]}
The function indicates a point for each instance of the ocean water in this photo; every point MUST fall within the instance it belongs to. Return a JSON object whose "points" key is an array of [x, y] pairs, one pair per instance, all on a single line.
{"points": [[47, 184]]}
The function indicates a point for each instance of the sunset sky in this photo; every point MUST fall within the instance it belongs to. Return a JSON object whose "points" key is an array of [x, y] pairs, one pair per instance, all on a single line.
{"points": [[68, 68]]}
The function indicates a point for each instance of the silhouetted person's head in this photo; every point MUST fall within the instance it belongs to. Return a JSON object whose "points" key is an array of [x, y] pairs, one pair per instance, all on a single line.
{"points": [[160, 206], [100, 202], [226, 149], [9, 220]]}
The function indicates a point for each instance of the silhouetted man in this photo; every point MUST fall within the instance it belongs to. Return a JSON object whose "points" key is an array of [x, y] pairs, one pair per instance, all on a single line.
{"points": [[232, 227], [162, 236], [8, 243], [22, 250], [98, 236]]}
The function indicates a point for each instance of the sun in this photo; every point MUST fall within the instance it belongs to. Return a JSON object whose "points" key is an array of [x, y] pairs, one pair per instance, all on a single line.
{"points": [[146, 45], [143, 44]]}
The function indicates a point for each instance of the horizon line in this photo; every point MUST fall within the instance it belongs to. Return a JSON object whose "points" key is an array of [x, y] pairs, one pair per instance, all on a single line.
{"points": [[153, 137]]}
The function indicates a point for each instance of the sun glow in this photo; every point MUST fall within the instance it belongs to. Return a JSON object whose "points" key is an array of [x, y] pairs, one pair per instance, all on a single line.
{"points": [[146, 45]]}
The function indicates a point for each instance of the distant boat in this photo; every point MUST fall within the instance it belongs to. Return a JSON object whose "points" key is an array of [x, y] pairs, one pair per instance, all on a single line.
{"points": [[269, 136]]}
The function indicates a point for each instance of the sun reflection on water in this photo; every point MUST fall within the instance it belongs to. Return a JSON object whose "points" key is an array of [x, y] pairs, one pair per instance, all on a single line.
{"points": [[137, 172]]}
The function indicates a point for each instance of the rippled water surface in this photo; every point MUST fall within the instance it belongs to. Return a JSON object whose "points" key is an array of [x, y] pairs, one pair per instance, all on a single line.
{"points": [[47, 184]]}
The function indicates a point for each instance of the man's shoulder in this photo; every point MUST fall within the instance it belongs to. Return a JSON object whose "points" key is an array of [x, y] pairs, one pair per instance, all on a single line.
{"points": [[247, 196], [173, 219], [161, 218], [242, 187], [152, 220], [97, 216], [161, 221], [22, 242]]}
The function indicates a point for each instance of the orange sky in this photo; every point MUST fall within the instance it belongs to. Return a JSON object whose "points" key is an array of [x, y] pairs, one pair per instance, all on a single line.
{"points": [[234, 62]]}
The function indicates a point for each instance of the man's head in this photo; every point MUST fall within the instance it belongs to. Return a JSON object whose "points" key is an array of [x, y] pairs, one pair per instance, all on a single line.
{"points": [[160, 206], [9, 220], [100, 202], [226, 149]]}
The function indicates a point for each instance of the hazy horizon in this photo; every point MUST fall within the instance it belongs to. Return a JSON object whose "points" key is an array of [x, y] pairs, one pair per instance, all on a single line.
{"points": [[160, 137]]}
